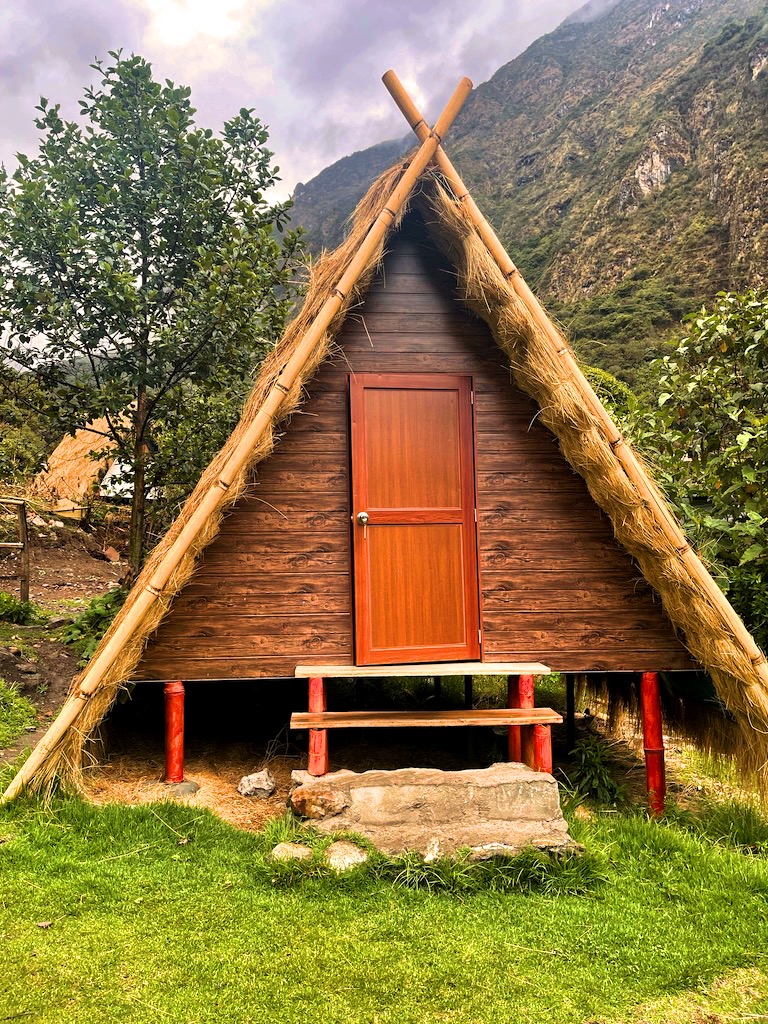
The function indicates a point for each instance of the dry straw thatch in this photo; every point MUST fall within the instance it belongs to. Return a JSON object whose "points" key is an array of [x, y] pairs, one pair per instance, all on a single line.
{"points": [[73, 472], [539, 372]]}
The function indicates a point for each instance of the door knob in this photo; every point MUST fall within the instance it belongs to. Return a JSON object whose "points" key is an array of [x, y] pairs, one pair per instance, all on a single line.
{"points": [[362, 518]]}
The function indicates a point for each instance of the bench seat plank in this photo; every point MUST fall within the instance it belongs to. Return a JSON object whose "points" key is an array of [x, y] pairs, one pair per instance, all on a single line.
{"points": [[405, 719], [448, 668]]}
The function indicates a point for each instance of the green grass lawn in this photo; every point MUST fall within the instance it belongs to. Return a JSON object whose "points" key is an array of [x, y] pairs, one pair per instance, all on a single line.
{"points": [[16, 715], [165, 913]]}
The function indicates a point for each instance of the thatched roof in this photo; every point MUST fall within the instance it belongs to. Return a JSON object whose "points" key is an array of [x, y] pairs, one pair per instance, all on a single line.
{"points": [[709, 627], [75, 467]]}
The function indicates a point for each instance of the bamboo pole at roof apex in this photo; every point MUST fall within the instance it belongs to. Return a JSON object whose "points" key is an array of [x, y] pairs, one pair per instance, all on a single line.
{"points": [[238, 459], [621, 451]]}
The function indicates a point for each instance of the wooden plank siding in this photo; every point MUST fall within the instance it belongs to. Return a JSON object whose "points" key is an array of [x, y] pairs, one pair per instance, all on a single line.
{"points": [[274, 589]]}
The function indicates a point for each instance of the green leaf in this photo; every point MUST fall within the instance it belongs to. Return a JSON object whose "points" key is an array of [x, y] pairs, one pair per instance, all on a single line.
{"points": [[753, 552]]}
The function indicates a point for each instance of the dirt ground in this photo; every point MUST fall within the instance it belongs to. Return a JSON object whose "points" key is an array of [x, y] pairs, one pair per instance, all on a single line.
{"points": [[135, 778], [67, 569]]}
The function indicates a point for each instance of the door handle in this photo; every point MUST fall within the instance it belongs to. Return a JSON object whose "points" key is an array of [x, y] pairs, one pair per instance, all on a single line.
{"points": [[362, 518]]}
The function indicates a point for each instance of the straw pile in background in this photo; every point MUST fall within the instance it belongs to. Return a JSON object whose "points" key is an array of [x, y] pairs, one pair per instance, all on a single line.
{"points": [[537, 370], [695, 716], [72, 473]]}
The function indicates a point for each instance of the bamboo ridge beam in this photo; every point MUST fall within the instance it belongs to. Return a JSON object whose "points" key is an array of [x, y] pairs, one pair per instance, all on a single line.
{"points": [[622, 452], [238, 459]]}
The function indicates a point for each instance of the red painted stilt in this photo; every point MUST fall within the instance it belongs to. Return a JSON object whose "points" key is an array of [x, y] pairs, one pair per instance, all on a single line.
{"points": [[318, 738], [527, 700], [513, 701], [174, 731], [653, 742], [542, 748]]}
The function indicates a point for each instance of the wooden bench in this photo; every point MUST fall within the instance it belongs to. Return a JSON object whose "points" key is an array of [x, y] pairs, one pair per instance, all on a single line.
{"points": [[406, 719], [442, 668], [529, 732]]}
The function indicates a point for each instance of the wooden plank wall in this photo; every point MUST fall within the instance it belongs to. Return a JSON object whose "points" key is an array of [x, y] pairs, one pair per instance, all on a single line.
{"points": [[274, 589]]}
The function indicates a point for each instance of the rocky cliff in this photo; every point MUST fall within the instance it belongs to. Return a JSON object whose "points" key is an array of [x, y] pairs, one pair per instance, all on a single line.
{"points": [[623, 159]]}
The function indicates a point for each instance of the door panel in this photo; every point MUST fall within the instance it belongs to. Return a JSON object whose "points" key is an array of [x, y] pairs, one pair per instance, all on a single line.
{"points": [[409, 567], [428, 470], [416, 588]]}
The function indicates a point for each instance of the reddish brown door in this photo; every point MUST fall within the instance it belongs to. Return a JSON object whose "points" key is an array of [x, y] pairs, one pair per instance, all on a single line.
{"points": [[416, 590]]}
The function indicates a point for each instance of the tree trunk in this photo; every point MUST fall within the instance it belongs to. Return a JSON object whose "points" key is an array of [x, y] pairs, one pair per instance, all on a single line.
{"points": [[138, 502]]}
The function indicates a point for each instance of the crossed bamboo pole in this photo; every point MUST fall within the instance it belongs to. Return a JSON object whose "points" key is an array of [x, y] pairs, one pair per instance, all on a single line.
{"points": [[239, 458], [622, 451]]}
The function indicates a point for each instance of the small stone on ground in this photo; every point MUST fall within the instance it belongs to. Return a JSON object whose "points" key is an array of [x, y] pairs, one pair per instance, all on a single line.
{"points": [[343, 856], [490, 850], [260, 784], [290, 851], [185, 788]]}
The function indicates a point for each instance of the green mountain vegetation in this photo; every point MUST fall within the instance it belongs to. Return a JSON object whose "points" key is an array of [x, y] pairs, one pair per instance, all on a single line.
{"points": [[623, 161]]}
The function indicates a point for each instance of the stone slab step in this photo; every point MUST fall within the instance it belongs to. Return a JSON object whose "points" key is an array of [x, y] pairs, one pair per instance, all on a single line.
{"points": [[436, 812]]}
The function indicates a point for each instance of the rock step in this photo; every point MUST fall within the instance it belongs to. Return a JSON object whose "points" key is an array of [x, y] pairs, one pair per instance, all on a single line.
{"points": [[429, 810]]}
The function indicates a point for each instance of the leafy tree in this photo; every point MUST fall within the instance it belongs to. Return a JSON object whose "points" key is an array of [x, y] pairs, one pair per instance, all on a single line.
{"points": [[26, 437], [140, 265], [709, 440]]}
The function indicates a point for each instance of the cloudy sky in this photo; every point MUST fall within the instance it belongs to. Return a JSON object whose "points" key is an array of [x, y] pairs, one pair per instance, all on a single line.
{"points": [[310, 68]]}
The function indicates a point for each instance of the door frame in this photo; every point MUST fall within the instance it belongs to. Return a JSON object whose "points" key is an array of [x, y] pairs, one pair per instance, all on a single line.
{"points": [[471, 581]]}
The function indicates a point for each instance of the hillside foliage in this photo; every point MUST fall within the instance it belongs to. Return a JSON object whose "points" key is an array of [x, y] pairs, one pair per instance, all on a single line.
{"points": [[622, 161], [708, 440]]}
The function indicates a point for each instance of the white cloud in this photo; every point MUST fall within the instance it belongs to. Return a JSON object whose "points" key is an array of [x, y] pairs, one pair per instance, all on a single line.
{"points": [[178, 22], [310, 70]]}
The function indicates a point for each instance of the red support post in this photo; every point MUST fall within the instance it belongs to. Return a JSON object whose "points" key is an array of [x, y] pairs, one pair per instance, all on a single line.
{"points": [[318, 738], [513, 701], [174, 732], [653, 742], [542, 748], [527, 700]]}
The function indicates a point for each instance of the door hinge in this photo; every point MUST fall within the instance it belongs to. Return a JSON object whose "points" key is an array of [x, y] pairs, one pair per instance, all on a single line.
{"points": [[480, 637], [475, 515], [472, 397]]}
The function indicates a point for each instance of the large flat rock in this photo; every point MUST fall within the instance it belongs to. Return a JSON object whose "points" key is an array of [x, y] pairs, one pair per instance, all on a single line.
{"points": [[436, 812]]}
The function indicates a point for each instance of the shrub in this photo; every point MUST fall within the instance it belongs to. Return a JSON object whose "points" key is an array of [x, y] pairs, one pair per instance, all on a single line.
{"points": [[22, 452], [92, 623], [20, 613], [591, 776]]}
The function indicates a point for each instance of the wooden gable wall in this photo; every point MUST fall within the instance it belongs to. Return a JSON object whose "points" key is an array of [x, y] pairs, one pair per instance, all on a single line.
{"points": [[274, 589]]}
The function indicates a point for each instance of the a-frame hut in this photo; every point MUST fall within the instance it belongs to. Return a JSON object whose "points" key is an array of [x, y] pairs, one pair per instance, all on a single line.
{"points": [[443, 487]]}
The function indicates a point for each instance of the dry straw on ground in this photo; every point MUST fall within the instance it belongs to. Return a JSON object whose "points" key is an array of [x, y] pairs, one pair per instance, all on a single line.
{"points": [[135, 779]]}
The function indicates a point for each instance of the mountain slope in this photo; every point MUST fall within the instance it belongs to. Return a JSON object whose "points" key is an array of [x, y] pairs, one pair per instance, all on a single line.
{"points": [[624, 162]]}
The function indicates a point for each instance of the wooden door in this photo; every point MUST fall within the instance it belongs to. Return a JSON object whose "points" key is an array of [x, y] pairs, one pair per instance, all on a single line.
{"points": [[415, 560]]}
